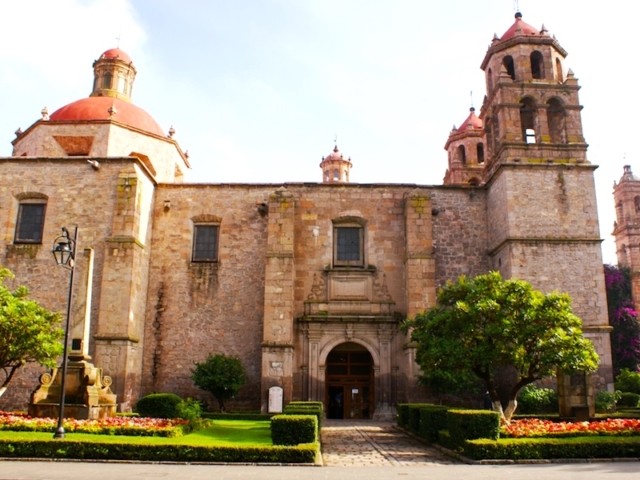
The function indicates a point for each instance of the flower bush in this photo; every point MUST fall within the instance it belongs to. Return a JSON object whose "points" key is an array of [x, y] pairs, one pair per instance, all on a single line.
{"points": [[135, 426], [533, 427]]}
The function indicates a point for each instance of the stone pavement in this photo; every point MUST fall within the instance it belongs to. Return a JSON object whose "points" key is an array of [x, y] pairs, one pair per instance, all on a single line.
{"points": [[365, 443]]}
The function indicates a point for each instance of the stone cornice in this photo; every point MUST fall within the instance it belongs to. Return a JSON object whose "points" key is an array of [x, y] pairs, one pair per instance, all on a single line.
{"points": [[548, 240]]}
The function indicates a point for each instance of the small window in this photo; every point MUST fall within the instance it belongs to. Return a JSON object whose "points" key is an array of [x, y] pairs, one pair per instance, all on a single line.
{"points": [[559, 74], [30, 222], [106, 80], [348, 246], [336, 175], [205, 243], [462, 155], [480, 153]]}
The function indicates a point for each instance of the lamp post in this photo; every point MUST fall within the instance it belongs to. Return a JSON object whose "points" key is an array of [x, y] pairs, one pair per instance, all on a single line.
{"points": [[64, 251]]}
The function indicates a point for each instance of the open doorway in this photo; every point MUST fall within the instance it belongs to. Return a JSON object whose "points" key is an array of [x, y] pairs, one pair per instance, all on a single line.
{"points": [[349, 382]]}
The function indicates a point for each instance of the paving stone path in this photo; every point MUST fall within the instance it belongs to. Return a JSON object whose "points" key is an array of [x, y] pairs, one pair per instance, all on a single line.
{"points": [[366, 443]]}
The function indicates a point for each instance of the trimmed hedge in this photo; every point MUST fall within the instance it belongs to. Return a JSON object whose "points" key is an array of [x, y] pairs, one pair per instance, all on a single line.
{"points": [[414, 415], [432, 420], [294, 429], [471, 424], [402, 416], [159, 405], [305, 408], [547, 448], [84, 450], [628, 399]]}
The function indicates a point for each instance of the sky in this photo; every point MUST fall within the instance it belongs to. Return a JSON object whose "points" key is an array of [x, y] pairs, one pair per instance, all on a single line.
{"points": [[259, 90]]}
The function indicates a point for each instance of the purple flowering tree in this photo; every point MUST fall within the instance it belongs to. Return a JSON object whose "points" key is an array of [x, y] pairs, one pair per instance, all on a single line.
{"points": [[625, 338]]}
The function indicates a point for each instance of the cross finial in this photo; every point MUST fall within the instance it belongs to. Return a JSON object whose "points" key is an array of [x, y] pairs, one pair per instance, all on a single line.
{"points": [[335, 140], [516, 6], [471, 95], [118, 37]]}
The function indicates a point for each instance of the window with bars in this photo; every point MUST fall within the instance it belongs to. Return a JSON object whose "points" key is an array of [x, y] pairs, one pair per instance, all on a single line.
{"points": [[348, 246], [30, 222], [205, 243]]}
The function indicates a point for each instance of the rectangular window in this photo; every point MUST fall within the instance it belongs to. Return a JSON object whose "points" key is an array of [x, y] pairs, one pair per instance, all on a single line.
{"points": [[348, 246], [205, 243], [30, 223]]}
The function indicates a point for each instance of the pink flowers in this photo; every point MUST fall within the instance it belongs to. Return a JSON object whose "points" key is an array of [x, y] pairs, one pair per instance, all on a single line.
{"points": [[112, 425], [533, 427]]}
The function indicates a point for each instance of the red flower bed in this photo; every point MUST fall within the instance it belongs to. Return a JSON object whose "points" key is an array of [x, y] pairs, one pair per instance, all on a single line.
{"points": [[533, 427], [112, 425]]}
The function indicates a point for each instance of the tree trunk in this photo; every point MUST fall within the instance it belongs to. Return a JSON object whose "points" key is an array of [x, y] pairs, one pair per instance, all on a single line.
{"points": [[221, 405], [497, 407], [511, 408], [2, 390]]}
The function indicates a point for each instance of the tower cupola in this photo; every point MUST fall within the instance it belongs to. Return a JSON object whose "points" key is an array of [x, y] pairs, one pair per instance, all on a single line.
{"points": [[114, 74], [335, 168], [466, 152]]}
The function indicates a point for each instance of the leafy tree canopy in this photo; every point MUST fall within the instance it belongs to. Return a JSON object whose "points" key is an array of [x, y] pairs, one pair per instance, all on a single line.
{"points": [[28, 331], [220, 375], [486, 324]]}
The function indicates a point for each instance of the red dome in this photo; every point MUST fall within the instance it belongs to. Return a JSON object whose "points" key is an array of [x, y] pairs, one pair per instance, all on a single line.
{"points": [[472, 119], [97, 108], [525, 27], [116, 53]]}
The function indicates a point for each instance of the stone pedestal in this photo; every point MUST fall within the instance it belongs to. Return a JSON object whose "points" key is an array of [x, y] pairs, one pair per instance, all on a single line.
{"points": [[576, 396], [87, 393]]}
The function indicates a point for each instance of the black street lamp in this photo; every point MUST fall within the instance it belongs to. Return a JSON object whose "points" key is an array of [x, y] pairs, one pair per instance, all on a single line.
{"points": [[64, 251]]}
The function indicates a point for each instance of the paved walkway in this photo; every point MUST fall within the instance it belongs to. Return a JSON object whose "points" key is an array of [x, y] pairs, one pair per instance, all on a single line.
{"points": [[366, 443]]}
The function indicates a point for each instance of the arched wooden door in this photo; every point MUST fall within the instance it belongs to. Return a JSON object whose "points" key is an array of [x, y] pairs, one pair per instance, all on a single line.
{"points": [[349, 382]]}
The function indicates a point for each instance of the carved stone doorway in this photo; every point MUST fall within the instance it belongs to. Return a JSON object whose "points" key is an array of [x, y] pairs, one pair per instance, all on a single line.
{"points": [[349, 392]]}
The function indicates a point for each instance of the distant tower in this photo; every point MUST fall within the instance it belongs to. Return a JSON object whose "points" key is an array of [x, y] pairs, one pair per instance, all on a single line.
{"points": [[466, 152], [541, 202], [626, 228], [335, 169], [114, 74]]}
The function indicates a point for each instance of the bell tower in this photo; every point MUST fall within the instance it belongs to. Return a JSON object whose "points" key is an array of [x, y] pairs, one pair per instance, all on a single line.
{"points": [[541, 203], [335, 168], [466, 152]]}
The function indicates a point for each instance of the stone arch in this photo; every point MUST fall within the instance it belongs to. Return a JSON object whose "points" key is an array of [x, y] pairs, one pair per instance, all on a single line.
{"points": [[556, 117], [529, 119], [328, 347], [537, 65]]}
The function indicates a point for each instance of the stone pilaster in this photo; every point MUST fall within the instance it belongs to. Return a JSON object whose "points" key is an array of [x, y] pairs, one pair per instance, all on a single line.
{"points": [[277, 342]]}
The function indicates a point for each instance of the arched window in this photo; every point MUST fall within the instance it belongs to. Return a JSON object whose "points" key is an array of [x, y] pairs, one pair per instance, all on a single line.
{"points": [[489, 81], [556, 119], [492, 131], [474, 181], [528, 119], [620, 212], [462, 155], [636, 203], [480, 153], [537, 65], [508, 64], [559, 72], [336, 175]]}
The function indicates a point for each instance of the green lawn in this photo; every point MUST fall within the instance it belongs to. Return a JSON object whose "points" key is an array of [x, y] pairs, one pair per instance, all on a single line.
{"points": [[219, 433]]}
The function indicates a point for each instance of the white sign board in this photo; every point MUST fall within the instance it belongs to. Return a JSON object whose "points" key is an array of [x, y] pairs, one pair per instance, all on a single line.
{"points": [[275, 400]]}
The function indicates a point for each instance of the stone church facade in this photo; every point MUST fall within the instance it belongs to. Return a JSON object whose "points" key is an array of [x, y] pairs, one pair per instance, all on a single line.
{"points": [[306, 283]]}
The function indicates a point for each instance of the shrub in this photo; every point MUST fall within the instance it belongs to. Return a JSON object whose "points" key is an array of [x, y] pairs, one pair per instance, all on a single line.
{"points": [[470, 424], [432, 420], [189, 409], [294, 429], [237, 416], [220, 375], [159, 405], [532, 399], [628, 381], [606, 401], [628, 399]]}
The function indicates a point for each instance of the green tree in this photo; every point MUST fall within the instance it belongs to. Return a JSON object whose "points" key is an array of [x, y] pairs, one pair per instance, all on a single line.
{"points": [[486, 324], [28, 331], [220, 375]]}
